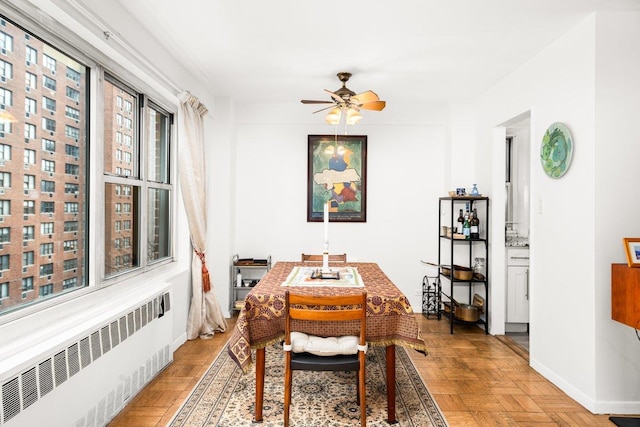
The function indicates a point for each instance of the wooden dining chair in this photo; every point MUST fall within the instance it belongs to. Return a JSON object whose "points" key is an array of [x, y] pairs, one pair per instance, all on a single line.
{"points": [[318, 258], [312, 353]]}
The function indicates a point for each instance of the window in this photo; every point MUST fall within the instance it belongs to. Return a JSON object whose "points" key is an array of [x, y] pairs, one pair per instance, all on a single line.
{"points": [[28, 232], [146, 189], [31, 56], [49, 103], [5, 207], [73, 94], [49, 62], [4, 262], [48, 145], [46, 269], [5, 152], [71, 188], [72, 150], [48, 166], [29, 207], [49, 83], [6, 70], [29, 157], [31, 81], [27, 259], [30, 106], [6, 43], [72, 113], [5, 179], [70, 245], [5, 234], [47, 207], [46, 249], [4, 290], [73, 75], [6, 98], [27, 284], [29, 131], [48, 186], [46, 228], [29, 182]]}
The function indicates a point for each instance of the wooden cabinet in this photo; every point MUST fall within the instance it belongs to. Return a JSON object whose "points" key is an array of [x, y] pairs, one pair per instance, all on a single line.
{"points": [[625, 295], [517, 285]]}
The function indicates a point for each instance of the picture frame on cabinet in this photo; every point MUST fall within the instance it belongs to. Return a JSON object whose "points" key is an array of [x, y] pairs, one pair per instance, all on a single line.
{"points": [[337, 173], [632, 249]]}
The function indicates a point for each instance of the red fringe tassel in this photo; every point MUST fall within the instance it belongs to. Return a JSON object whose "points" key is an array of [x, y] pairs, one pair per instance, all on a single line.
{"points": [[206, 281]]}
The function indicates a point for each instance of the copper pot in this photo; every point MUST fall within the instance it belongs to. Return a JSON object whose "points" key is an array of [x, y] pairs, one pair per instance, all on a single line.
{"points": [[459, 272]]}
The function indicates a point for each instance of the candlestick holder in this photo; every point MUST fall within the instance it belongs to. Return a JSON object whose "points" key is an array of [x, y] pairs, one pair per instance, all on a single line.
{"points": [[325, 258]]}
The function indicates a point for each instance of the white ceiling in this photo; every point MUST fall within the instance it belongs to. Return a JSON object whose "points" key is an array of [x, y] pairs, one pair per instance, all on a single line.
{"points": [[407, 51]]}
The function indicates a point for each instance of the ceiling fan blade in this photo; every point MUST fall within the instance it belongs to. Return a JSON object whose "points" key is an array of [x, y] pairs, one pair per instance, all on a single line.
{"points": [[364, 97], [376, 105], [326, 108], [335, 96], [309, 101]]}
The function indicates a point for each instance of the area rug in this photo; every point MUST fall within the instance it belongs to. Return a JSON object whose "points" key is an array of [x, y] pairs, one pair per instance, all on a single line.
{"points": [[225, 396]]}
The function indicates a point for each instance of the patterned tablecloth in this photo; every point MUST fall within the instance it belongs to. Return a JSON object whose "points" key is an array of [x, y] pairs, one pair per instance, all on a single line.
{"points": [[390, 318]]}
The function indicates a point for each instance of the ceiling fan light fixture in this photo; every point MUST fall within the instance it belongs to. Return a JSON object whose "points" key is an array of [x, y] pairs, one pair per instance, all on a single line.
{"points": [[333, 116], [353, 116]]}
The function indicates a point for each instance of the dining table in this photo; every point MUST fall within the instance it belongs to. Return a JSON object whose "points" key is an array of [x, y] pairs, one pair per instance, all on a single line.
{"points": [[390, 319]]}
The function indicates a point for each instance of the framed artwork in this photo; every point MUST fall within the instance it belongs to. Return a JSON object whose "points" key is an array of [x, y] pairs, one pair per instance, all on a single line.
{"points": [[337, 173], [632, 248]]}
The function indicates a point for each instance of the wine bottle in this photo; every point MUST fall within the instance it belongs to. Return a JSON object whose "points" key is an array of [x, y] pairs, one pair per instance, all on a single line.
{"points": [[460, 223], [475, 225], [466, 228]]}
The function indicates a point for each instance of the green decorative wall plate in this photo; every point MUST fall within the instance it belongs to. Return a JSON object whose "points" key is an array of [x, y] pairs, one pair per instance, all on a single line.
{"points": [[556, 150]]}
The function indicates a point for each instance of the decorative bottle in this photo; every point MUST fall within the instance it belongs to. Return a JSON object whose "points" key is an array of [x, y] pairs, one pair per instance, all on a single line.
{"points": [[466, 228], [474, 190], [460, 223], [475, 225]]}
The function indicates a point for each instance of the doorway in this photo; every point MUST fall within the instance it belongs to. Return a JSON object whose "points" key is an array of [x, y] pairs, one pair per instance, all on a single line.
{"points": [[517, 215]]}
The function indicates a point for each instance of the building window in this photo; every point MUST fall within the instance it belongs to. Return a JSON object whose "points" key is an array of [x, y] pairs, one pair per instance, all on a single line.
{"points": [[29, 207], [6, 98], [4, 262], [5, 207], [48, 145], [5, 152], [31, 56], [30, 106], [49, 62], [47, 186], [46, 249], [27, 284], [4, 290], [5, 234], [27, 259], [49, 83], [143, 137], [47, 207], [6, 70], [5, 179], [46, 228], [28, 233], [49, 103], [46, 290]]}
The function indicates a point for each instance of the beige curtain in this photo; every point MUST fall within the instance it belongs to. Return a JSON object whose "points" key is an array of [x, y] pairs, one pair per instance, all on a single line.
{"points": [[205, 316]]}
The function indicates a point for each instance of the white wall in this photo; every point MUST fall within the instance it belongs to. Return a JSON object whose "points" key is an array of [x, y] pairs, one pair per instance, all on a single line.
{"points": [[617, 155], [405, 166], [572, 241]]}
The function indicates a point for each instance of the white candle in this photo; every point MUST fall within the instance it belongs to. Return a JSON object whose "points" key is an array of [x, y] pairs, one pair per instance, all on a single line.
{"points": [[326, 222]]}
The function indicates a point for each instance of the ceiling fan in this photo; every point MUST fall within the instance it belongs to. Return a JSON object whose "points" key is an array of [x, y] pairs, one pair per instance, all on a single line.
{"points": [[347, 101]]}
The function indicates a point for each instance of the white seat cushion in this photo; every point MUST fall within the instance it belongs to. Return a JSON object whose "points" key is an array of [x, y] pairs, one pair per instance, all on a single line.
{"points": [[330, 346]]}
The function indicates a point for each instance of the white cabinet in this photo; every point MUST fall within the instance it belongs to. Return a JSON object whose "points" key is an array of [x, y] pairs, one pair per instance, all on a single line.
{"points": [[245, 273], [517, 285]]}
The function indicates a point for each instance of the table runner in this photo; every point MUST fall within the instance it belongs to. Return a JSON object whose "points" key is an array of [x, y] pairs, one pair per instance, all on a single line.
{"points": [[390, 318]]}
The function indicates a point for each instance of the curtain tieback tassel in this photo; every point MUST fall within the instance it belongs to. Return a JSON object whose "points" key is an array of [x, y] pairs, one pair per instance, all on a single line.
{"points": [[206, 281]]}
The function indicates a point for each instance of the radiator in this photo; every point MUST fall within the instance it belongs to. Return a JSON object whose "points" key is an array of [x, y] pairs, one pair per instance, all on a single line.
{"points": [[87, 382]]}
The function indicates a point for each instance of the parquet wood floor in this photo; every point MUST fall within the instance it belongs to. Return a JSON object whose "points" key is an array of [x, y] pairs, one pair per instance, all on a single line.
{"points": [[476, 380]]}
